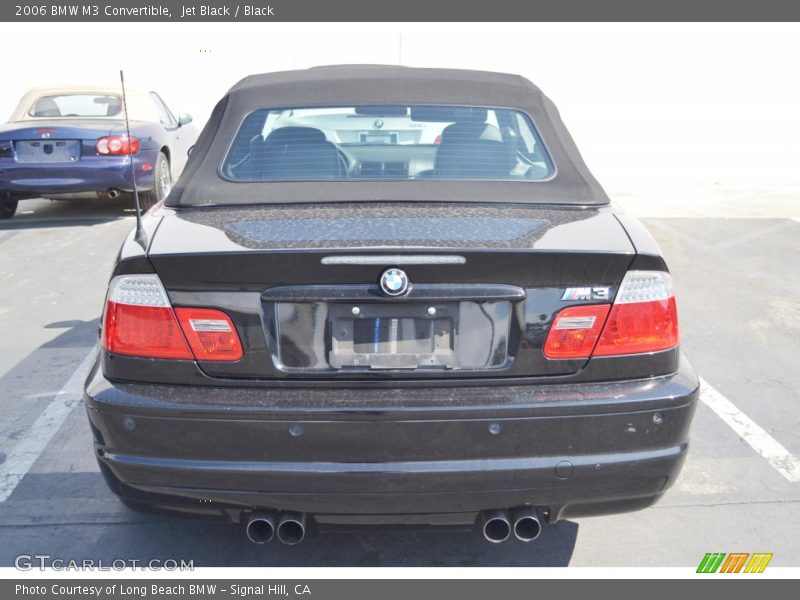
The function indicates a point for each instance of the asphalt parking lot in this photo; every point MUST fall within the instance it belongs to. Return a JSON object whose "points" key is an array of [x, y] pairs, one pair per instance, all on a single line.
{"points": [[738, 284]]}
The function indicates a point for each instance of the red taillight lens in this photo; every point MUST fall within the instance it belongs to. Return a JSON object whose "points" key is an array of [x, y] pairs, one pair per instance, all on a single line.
{"points": [[575, 331], [146, 331], [643, 318], [139, 320], [115, 145], [210, 333], [640, 327]]}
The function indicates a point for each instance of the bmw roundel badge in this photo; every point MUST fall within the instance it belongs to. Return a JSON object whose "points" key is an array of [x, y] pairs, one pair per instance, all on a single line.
{"points": [[394, 282]]}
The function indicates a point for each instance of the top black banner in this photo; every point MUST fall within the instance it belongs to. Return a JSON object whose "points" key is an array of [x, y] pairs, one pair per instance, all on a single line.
{"points": [[401, 10]]}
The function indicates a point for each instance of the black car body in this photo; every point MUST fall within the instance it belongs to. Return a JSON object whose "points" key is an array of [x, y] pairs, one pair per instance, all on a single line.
{"points": [[434, 344]]}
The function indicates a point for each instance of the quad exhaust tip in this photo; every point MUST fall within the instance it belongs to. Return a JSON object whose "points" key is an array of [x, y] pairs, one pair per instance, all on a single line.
{"points": [[496, 526], [527, 525], [292, 528], [260, 527]]}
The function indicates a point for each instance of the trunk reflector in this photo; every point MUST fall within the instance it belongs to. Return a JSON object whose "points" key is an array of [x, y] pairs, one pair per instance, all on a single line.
{"points": [[210, 333], [575, 331], [576, 322], [209, 325]]}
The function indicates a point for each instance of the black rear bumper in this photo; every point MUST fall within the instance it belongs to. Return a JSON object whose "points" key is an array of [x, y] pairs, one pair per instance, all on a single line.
{"points": [[420, 455]]}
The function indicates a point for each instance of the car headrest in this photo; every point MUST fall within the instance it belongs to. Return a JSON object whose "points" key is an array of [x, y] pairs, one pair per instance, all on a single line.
{"points": [[46, 107], [469, 132], [295, 135], [472, 150], [114, 107]]}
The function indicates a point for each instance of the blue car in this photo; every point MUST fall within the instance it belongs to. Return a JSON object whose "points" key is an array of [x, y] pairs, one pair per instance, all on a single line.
{"points": [[71, 142]]}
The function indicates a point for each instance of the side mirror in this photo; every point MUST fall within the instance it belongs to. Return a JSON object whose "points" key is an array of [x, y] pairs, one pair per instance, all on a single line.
{"points": [[190, 150], [184, 119]]}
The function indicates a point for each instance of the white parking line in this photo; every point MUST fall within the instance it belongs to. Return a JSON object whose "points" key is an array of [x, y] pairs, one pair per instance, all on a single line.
{"points": [[27, 450], [779, 457]]}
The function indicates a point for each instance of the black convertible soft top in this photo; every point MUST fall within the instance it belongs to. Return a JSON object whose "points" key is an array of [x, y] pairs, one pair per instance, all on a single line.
{"points": [[201, 185]]}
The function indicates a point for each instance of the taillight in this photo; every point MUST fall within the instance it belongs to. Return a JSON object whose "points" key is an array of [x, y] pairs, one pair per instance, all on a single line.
{"points": [[115, 145], [211, 334], [140, 321], [642, 319]]}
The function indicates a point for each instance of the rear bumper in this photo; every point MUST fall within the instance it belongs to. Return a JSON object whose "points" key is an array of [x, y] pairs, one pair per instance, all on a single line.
{"points": [[422, 455], [88, 175]]}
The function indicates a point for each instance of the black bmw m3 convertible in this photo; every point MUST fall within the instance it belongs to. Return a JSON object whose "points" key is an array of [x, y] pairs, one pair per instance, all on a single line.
{"points": [[385, 295]]}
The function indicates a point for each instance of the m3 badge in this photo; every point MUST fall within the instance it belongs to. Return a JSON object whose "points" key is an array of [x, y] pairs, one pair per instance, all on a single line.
{"points": [[587, 293]]}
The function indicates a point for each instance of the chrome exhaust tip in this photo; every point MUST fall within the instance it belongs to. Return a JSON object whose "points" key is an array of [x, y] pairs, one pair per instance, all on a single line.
{"points": [[496, 526], [292, 528], [527, 525], [260, 527], [113, 193]]}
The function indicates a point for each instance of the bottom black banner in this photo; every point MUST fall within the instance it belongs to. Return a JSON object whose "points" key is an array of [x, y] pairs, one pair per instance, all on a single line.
{"points": [[383, 589]]}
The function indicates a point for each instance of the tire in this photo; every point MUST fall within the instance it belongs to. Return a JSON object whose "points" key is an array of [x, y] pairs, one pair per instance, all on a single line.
{"points": [[8, 208], [162, 184]]}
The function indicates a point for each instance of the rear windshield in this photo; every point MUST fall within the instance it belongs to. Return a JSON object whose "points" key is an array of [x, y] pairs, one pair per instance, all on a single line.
{"points": [[77, 105], [386, 142]]}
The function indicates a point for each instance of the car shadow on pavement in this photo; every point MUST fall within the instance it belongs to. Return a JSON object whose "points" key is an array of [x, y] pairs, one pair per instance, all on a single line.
{"points": [[41, 213], [222, 544], [73, 516], [78, 334], [36, 379]]}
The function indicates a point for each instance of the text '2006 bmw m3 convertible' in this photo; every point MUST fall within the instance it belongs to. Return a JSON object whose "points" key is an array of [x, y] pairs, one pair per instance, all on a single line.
{"points": [[389, 295]]}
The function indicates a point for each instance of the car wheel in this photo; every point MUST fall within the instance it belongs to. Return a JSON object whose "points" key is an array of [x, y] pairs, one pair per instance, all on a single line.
{"points": [[8, 208], [162, 184]]}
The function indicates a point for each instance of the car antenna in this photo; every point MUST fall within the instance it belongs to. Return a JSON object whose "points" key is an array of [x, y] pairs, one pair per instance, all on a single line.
{"points": [[140, 235]]}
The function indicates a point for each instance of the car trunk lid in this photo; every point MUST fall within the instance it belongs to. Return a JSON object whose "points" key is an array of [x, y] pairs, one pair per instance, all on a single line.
{"points": [[301, 284]]}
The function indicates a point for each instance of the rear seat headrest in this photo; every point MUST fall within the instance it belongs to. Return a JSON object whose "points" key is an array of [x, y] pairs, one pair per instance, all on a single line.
{"points": [[471, 131], [296, 135], [46, 107]]}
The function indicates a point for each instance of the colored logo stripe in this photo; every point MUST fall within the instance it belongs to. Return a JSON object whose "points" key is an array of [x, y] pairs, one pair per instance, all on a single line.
{"points": [[717, 562], [758, 562], [734, 562], [711, 562]]}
